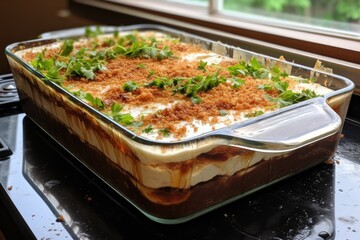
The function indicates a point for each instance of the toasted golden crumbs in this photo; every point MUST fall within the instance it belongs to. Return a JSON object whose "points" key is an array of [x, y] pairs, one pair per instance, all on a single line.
{"points": [[330, 161], [108, 85]]}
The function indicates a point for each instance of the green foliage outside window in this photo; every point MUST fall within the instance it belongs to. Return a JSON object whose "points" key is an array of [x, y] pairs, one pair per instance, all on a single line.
{"points": [[335, 10]]}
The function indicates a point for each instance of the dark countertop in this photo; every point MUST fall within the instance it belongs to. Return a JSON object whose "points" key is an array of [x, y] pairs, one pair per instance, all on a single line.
{"points": [[40, 181]]}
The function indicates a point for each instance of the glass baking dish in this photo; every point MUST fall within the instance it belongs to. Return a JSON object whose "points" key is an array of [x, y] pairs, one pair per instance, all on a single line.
{"points": [[266, 149]]}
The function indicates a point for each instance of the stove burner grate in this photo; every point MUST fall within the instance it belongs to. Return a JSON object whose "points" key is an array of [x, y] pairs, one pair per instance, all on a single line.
{"points": [[8, 93]]}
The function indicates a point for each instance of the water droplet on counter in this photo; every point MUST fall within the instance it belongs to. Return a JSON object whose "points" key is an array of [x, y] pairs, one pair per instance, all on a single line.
{"points": [[52, 183]]}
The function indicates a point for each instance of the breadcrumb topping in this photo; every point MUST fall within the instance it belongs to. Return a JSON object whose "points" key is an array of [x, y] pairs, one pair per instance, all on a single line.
{"points": [[162, 107]]}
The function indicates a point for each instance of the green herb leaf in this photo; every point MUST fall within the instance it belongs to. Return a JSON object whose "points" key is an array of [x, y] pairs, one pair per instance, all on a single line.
{"points": [[196, 99], [202, 66], [95, 101], [254, 114], [67, 47], [223, 113], [116, 33], [42, 64], [165, 52], [123, 119], [251, 68], [141, 66], [87, 73], [289, 97], [192, 86], [116, 108], [238, 69], [165, 132], [86, 62], [130, 86], [237, 82], [148, 129], [160, 82], [266, 87], [254, 63], [281, 86], [90, 33], [151, 73], [276, 73], [49, 68], [54, 75]]}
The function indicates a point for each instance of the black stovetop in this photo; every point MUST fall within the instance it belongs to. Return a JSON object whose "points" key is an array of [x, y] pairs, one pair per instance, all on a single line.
{"points": [[8, 93], [41, 181]]}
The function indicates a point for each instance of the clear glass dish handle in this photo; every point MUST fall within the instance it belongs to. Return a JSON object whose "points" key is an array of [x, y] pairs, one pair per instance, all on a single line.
{"points": [[288, 130]]}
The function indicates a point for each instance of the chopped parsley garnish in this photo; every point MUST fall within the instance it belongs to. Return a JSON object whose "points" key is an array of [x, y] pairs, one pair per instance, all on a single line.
{"points": [[223, 113], [192, 86], [85, 62], [49, 67], [255, 69], [289, 97], [141, 66], [67, 47], [140, 49], [196, 100], [161, 82], [281, 86], [148, 129], [130, 86], [94, 101], [252, 68], [237, 82], [267, 87], [202, 66], [124, 119], [165, 132], [90, 33], [116, 108], [151, 73], [79, 62], [276, 73], [254, 114]]}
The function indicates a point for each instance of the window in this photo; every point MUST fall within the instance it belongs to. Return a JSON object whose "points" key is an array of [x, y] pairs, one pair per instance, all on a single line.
{"points": [[339, 17], [336, 17], [272, 27]]}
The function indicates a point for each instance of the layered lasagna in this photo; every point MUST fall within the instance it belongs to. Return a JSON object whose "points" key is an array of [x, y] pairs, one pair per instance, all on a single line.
{"points": [[170, 94]]}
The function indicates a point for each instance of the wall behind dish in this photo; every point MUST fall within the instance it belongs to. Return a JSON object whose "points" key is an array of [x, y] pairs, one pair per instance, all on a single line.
{"points": [[24, 20]]}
